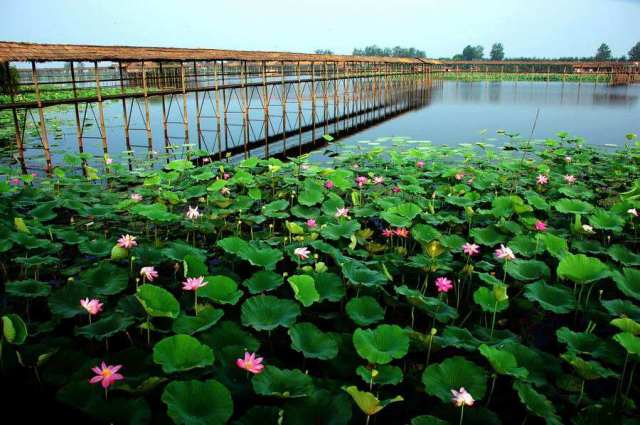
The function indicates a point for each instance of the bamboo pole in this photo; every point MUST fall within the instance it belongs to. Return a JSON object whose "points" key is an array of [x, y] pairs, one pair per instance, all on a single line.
{"points": [[197, 98], [165, 128], [103, 130], [185, 111], [43, 127], [16, 123], [147, 115]]}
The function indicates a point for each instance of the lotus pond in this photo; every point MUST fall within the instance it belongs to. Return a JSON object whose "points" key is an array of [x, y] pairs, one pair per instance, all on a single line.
{"points": [[431, 286]]}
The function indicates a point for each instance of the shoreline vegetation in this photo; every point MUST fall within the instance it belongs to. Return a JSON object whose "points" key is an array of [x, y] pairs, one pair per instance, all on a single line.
{"points": [[437, 285]]}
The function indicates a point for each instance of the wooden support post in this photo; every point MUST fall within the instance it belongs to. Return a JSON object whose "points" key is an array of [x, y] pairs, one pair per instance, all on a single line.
{"points": [[226, 109], [299, 101], [103, 130], [265, 109], [16, 123], [185, 111], [43, 127], [125, 117], [336, 109], [283, 103], [313, 102], [325, 96], [147, 114], [165, 128], [218, 126], [198, 111], [245, 107], [79, 129]]}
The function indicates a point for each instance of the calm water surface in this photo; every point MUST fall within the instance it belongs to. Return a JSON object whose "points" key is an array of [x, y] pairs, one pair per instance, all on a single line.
{"points": [[465, 112]]}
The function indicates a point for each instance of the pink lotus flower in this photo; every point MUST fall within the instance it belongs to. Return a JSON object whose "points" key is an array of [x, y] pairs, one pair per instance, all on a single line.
{"points": [[570, 179], [395, 189], [250, 363], [342, 212], [194, 283], [401, 232], [15, 181], [444, 284], [149, 273], [311, 223], [633, 211], [542, 179], [378, 180], [226, 176], [420, 164], [387, 233], [305, 167], [328, 184], [109, 161], [136, 197], [127, 241], [361, 181], [504, 253], [471, 249], [459, 176], [106, 375], [461, 398], [302, 253], [93, 306], [193, 213], [540, 226], [225, 191]]}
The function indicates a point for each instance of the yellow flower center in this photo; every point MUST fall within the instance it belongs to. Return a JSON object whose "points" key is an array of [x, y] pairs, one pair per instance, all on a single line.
{"points": [[107, 373]]}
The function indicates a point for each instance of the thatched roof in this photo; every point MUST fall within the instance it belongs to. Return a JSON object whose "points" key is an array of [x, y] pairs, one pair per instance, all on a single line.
{"points": [[16, 51]]}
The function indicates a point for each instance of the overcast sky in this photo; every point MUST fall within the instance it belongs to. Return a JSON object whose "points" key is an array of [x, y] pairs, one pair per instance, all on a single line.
{"points": [[542, 28]]}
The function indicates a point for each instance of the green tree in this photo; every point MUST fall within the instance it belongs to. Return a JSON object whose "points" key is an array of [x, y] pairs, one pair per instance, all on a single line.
{"points": [[470, 53], [603, 53], [634, 53], [398, 51], [497, 52], [8, 80]]}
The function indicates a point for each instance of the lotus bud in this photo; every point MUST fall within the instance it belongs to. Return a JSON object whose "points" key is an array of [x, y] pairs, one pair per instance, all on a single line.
{"points": [[307, 269], [469, 211], [70, 280], [285, 274], [500, 293], [321, 267], [433, 332], [119, 253], [374, 373]]}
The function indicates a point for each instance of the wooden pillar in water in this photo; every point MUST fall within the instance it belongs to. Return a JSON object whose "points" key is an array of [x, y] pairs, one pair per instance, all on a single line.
{"points": [[313, 102], [147, 114], [265, 108], [245, 106], [43, 126], [197, 98], [165, 128], [125, 117], [76, 109], [325, 96], [283, 103], [299, 101], [185, 111], [218, 124], [16, 123], [225, 107], [103, 130]]}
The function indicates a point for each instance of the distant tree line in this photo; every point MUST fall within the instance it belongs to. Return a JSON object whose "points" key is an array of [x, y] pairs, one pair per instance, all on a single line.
{"points": [[8, 80], [398, 52], [603, 53]]}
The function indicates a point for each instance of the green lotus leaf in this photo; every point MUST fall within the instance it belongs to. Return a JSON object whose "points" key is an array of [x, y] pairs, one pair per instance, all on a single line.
{"points": [[328, 409], [382, 344], [503, 362], [359, 274], [587, 369], [274, 209], [573, 206], [97, 247], [427, 420], [487, 300], [540, 364], [344, 229], [178, 353], [525, 246], [266, 312], [283, 383], [65, 302], [557, 299], [106, 279], [263, 281], [555, 245], [628, 282], [589, 343], [385, 374], [256, 415], [265, 257], [329, 286], [154, 212], [537, 403], [460, 338], [70, 237], [455, 372], [434, 307], [489, 236], [14, 329], [180, 165], [189, 325], [623, 255], [198, 402], [221, 289], [178, 251], [312, 342], [157, 301], [364, 310], [606, 220], [367, 402], [106, 327], [527, 270], [194, 266], [629, 342], [424, 233], [229, 334], [582, 269], [627, 325], [304, 289], [622, 308], [311, 194], [28, 288]]}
